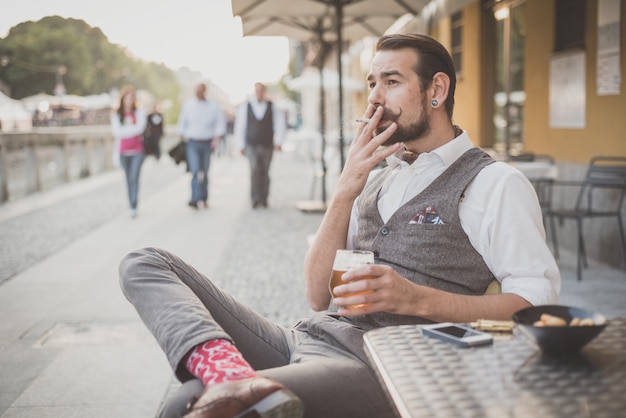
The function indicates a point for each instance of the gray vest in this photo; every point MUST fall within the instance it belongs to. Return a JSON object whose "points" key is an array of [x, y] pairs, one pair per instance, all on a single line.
{"points": [[260, 132], [435, 255]]}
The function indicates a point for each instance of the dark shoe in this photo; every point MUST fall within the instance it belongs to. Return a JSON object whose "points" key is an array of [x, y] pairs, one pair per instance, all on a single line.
{"points": [[205, 204], [193, 204], [256, 397], [180, 402]]}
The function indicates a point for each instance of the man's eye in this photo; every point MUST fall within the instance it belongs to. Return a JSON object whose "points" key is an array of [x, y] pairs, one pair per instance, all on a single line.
{"points": [[392, 82], [371, 85]]}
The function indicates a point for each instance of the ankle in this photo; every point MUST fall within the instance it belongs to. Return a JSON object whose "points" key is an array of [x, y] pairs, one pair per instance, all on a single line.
{"points": [[218, 361]]}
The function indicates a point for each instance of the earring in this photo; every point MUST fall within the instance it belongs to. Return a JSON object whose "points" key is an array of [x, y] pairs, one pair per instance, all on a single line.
{"points": [[434, 103]]}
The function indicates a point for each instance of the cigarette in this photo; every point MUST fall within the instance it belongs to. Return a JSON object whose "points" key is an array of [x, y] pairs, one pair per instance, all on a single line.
{"points": [[363, 120]]}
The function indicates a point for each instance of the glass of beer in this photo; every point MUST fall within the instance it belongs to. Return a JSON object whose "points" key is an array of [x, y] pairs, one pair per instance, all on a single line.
{"points": [[347, 260]]}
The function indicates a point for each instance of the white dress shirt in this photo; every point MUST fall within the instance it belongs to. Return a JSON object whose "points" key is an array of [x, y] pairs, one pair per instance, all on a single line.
{"points": [[499, 213], [258, 108], [201, 120]]}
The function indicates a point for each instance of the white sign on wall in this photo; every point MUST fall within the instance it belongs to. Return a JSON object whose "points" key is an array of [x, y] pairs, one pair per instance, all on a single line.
{"points": [[608, 75], [568, 99]]}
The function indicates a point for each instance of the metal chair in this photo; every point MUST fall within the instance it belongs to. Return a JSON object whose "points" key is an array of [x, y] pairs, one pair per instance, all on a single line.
{"points": [[542, 183], [606, 177]]}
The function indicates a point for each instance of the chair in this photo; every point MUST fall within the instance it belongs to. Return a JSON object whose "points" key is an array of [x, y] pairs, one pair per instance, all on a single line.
{"points": [[541, 182], [606, 180]]}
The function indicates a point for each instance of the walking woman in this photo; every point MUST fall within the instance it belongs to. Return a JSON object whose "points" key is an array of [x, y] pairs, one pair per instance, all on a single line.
{"points": [[128, 124]]}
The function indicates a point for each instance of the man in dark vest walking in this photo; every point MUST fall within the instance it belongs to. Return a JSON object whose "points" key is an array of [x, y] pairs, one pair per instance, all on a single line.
{"points": [[259, 129]]}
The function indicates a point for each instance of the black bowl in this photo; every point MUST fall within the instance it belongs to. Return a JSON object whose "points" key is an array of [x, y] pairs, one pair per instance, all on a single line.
{"points": [[556, 340]]}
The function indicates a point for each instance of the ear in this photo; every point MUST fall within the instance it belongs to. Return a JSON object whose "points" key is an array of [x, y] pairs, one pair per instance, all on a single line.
{"points": [[439, 87]]}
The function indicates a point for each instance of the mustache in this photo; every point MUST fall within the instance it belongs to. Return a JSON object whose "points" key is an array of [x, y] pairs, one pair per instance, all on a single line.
{"points": [[390, 115]]}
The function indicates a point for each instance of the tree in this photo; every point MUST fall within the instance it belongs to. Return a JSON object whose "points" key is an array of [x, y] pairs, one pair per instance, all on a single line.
{"points": [[35, 56]]}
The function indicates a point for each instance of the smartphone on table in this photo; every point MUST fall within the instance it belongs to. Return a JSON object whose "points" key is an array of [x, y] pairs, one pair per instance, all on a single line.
{"points": [[458, 334]]}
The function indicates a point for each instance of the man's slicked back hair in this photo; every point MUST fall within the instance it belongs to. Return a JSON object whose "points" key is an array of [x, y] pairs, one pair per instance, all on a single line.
{"points": [[432, 58]]}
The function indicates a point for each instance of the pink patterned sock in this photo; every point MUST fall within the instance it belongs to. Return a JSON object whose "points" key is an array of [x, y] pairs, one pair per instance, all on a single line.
{"points": [[218, 361]]}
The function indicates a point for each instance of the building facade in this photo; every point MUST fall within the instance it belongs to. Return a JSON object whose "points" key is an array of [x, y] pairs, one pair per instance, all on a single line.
{"points": [[537, 77]]}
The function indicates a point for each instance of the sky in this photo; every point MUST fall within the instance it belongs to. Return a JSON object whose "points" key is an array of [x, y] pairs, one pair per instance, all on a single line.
{"points": [[199, 34]]}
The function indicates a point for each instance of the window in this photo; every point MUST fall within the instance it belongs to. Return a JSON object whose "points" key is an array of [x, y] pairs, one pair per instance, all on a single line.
{"points": [[457, 41], [569, 25]]}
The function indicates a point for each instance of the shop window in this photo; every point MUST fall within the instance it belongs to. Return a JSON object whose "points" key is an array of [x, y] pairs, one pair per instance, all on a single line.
{"points": [[569, 25], [457, 42]]}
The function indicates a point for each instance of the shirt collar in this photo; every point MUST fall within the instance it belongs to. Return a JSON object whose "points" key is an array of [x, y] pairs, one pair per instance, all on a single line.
{"points": [[448, 152]]}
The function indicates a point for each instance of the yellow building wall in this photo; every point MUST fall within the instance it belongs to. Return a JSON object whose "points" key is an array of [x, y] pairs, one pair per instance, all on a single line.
{"points": [[605, 131], [467, 107]]}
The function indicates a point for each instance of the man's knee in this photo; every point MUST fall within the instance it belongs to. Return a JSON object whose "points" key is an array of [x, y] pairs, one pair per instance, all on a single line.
{"points": [[132, 264]]}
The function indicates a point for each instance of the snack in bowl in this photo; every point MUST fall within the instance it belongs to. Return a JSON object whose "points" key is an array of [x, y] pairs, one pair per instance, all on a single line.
{"points": [[547, 320], [558, 329]]}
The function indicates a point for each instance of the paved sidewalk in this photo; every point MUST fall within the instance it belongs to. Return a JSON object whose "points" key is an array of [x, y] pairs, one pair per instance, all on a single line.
{"points": [[72, 346]]}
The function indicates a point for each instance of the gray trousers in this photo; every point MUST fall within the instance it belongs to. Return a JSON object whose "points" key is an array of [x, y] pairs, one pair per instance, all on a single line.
{"points": [[321, 359], [260, 157]]}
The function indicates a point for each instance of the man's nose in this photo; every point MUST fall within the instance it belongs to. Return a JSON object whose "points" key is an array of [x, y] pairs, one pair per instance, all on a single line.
{"points": [[375, 98]]}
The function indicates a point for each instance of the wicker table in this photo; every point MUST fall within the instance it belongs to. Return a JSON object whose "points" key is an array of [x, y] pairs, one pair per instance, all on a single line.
{"points": [[426, 377]]}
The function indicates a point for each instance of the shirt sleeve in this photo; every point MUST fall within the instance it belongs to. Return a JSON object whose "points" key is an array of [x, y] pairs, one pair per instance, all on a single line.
{"points": [[142, 121], [502, 218], [220, 122], [353, 225], [115, 125], [121, 131]]}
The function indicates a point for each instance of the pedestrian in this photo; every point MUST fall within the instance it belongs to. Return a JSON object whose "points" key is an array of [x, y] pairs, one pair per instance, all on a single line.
{"points": [[482, 223], [201, 124], [259, 130], [154, 132], [128, 124]]}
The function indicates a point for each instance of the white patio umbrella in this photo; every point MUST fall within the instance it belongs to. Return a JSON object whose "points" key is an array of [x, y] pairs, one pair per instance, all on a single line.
{"points": [[359, 18], [336, 20], [330, 78]]}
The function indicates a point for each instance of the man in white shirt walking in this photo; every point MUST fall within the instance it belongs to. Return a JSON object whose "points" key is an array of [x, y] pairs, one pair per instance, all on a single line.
{"points": [[259, 130], [201, 124]]}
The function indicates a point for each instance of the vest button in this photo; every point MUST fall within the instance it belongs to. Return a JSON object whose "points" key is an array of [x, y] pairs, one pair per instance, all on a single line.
{"points": [[384, 230]]}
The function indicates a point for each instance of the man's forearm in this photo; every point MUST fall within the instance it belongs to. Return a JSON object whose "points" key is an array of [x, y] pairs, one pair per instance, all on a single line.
{"points": [[318, 262], [442, 306], [365, 153]]}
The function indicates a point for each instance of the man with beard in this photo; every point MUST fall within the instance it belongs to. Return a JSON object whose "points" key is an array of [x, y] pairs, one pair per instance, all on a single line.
{"points": [[443, 219]]}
